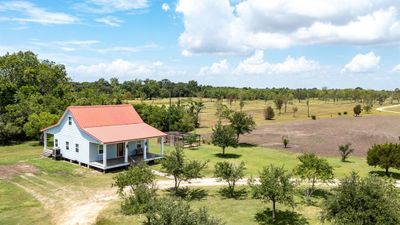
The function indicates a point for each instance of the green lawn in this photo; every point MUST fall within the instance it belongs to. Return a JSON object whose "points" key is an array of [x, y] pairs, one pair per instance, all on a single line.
{"points": [[258, 157], [231, 211], [60, 181]]}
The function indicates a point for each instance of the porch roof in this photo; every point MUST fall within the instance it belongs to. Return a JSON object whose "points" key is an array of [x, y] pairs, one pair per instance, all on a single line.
{"points": [[119, 133]]}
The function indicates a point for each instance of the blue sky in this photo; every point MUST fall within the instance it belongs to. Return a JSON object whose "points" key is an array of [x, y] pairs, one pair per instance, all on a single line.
{"points": [[275, 43]]}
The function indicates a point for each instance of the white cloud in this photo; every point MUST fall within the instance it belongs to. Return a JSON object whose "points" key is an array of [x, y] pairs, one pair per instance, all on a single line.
{"points": [[109, 6], [363, 63], [216, 68], [295, 65], [258, 24], [256, 64], [130, 49], [396, 69], [165, 7], [67, 46], [30, 13], [110, 20], [126, 70]]}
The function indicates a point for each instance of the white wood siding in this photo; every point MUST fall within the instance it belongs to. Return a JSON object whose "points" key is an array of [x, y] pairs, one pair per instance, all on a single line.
{"points": [[71, 133]]}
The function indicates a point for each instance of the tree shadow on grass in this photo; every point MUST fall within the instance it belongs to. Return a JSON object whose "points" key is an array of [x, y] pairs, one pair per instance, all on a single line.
{"points": [[314, 200], [239, 193], [189, 194], [282, 218], [393, 175], [228, 155], [248, 145]]}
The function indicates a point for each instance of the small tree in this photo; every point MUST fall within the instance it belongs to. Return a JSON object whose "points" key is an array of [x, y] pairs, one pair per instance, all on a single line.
{"points": [[278, 104], [384, 156], [134, 177], [367, 108], [242, 123], [269, 113], [345, 151], [312, 169], [364, 201], [285, 141], [295, 109], [230, 173], [275, 186], [141, 194], [357, 110], [176, 212], [176, 165], [223, 137]]}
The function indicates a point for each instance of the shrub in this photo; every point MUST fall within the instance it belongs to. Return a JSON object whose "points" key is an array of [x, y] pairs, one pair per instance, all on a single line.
{"points": [[339, 113], [285, 141], [370, 200], [313, 117], [269, 113], [357, 110], [345, 113]]}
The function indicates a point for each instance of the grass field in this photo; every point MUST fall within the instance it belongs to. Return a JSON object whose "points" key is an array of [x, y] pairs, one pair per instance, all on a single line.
{"points": [[256, 108], [258, 157], [58, 186], [231, 211]]}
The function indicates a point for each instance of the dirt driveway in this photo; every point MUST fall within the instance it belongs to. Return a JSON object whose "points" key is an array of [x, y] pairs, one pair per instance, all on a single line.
{"points": [[322, 136]]}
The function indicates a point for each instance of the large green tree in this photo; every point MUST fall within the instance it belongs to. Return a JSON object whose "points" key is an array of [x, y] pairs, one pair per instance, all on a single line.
{"points": [[362, 201], [36, 122]]}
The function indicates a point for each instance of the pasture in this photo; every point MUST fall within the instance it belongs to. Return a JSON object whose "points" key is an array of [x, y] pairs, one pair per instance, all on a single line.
{"points": [[319, 108]]}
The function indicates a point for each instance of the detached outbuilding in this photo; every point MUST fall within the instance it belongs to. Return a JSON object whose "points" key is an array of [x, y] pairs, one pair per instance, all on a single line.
{"points": [[105, 137]]}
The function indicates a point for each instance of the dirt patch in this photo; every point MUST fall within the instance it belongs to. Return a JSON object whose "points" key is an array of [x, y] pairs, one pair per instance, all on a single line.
{"points": [[8, 171], [322, 136]]}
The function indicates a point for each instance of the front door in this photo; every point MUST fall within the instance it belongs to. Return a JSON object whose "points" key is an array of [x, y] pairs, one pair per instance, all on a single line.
{"points": [[120, 150]]}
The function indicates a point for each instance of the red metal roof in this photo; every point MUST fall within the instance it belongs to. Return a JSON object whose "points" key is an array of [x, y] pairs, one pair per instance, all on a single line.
{"points": [[119, 133], [111, 123], [104, 115]]}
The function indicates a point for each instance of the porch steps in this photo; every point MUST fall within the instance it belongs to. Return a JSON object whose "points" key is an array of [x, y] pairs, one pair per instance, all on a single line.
{"points": [[47, 153]]}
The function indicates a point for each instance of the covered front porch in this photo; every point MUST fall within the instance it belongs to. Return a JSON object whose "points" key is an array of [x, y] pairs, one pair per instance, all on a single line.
{"points": [[113, 155]]}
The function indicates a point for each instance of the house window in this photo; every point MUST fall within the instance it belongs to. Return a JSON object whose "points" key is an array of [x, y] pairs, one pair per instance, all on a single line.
{"points": [[69, 120], [67, 145], [56, 143], [76, 147], [100, 149]]}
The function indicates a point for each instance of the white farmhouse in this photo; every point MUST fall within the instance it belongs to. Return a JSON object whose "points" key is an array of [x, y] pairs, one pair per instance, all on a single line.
{"points": [[105, 137]]}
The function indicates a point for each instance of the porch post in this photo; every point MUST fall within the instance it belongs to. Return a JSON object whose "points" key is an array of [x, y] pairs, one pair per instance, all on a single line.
{"points": [[126, 151], [145, 149], [162, 146], [44, 140], [105, 155]]}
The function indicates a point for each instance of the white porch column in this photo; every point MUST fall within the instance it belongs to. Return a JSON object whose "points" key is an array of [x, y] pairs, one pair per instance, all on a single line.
{"points": [[162, 146], [105, 155], [145, 149], [126, 151], [44, 140]]}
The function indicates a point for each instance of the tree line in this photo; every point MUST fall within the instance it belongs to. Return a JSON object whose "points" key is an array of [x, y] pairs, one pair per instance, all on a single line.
{"points": [[34, 93]]}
